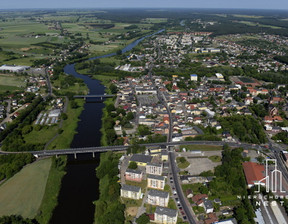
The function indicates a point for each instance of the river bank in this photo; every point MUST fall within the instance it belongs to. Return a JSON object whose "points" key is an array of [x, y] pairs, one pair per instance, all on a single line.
{"points": [[50, 198]]}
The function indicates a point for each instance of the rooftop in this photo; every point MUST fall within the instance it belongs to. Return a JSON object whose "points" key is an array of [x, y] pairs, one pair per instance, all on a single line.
{"points": [[133, 171], [253, 172], [150, 176], [126, 187], [141, 158], [161, 194], [166, 211]]}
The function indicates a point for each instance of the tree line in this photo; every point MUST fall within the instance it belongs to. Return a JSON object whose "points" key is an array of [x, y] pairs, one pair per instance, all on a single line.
{"points": [[12, 163], [109, 208]]}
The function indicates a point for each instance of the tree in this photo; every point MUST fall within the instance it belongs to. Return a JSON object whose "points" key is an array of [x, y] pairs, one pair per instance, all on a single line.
{"points": [[130, 116], [64, 116], [143, 219], [113, 88], [27, 129], [260, 159], [182, 159], [133, 165], [119, 52], [73, 104]]}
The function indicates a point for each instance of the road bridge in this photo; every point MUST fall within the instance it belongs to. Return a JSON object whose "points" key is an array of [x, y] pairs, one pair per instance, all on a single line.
{"points": [[103, 96], [99, 149]]}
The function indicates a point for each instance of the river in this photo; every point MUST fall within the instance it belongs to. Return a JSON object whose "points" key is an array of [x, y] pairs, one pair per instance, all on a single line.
{"points": [[80, 185]]}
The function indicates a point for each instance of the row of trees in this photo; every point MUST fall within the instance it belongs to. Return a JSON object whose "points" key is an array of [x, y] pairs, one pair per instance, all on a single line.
{"points": [[16, 219], [108, 207]]}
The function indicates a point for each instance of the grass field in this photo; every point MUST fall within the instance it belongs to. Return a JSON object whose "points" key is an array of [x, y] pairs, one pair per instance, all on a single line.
{"points": [[260, 25], [215, 159], [11, 82], [201, 147], [182, 165], [23, 193], [8, 88], [41, 136]]}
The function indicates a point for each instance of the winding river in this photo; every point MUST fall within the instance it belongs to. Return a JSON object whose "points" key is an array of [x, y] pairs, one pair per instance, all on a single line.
{"points": [[80, 186]]}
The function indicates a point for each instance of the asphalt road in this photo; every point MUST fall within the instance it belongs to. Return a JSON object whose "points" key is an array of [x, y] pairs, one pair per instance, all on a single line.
{"points": [[179, 189]]}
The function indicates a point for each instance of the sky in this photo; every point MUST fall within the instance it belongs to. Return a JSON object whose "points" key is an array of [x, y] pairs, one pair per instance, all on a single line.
{"points": [[238, 4]]}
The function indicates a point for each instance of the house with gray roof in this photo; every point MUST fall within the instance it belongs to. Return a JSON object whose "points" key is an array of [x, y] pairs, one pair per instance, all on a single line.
{"points": [[165, 215], [160, 198], [129, 191]]}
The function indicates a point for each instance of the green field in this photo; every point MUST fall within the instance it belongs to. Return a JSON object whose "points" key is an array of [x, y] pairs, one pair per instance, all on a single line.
{"points": [[260, 25], [201, 147], [42, 136], [11, 82], [23, 193], [182, 165], [215, 159]]}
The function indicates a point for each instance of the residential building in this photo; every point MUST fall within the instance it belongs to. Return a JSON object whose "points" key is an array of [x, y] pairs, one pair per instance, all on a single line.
{"points": [[208, 206], [129, 191], [154, 181], [194, 77], [160, 198], [165, 215], [140, 159], [164, 155], [134, 175], [228, 221], [153, 168]]}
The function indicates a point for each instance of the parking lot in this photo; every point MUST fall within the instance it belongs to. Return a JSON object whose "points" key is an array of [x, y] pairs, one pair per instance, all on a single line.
{"points": [[199, 162], [147, 100]]}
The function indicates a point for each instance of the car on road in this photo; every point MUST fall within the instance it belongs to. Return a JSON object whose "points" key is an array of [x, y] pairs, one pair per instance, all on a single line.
{"points": [[174, 192]]}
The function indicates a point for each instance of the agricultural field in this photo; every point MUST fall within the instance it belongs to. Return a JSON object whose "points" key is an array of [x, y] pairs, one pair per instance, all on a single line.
{"points": [[11, 82], [260, 25], [23, 193]]}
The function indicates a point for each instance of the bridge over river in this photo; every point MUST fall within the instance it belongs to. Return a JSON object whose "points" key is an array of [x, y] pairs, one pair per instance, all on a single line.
{"points": [[94, 96], [94, 150]]}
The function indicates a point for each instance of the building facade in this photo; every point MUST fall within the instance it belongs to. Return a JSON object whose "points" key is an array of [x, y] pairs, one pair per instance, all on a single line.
{"points": [[129, 191], [134, 175], [160, 198], [156, 182], [155, 169]]}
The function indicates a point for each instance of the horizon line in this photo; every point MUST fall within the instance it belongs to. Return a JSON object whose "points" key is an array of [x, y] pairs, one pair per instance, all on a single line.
{"points": [[144, 8]]}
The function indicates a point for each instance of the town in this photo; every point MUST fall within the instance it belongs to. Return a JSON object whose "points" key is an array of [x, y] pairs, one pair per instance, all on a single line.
{"points": [[194, 118]]}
